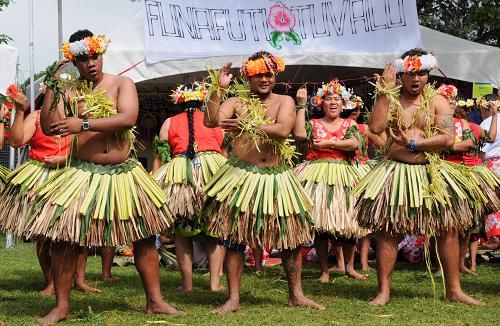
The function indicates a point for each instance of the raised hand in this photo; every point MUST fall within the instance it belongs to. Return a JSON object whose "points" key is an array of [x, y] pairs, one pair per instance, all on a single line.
{"points": [[230, 125], [20, 101], [66, 127], [225, 75], [301, 96], [388, 77], [3, 111]]}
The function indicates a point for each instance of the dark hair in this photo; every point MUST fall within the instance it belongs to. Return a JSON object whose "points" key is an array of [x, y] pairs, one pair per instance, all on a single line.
{"points": [[415, 51], [490, 97], [346, 113], [259, 54], [461, 113], [80, 35], [190, 151]]}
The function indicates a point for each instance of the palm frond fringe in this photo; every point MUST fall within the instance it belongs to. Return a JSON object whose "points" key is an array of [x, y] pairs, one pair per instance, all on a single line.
{"points": [[183, 180], [397, 197], [19, 194], [258, 206], [99, 205], [329, 184]]}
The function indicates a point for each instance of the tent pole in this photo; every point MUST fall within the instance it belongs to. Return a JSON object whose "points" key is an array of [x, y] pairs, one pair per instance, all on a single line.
{"points": [[59, 27]]}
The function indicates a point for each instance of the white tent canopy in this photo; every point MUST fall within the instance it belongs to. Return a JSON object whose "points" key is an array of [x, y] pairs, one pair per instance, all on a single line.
{"points": [[458, 58], [8, 66]]}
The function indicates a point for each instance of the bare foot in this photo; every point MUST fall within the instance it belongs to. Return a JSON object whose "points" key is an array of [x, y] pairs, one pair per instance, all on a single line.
{"points": [[303, 301], [380, 300], [110, 278], [351, 272], [162, 308], [473, 268], [366, 269], [324, 278], [438, 273], [463, 298], [183, 289], [467, 271], [217, 288], [83, 287], [229, 306], [337, 269], [48, 291], [54, 316]]}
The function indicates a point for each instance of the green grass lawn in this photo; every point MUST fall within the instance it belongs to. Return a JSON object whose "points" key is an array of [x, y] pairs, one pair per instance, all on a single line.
{"points": [[263, 298]]}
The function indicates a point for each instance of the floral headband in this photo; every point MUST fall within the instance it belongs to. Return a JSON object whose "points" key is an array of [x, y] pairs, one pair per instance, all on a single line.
{"points": [[270, 63], [448, 91], [355, 102], [482, 102], [416, 63], [88, 46], [331, 88], [184, 94], [465, 103]]}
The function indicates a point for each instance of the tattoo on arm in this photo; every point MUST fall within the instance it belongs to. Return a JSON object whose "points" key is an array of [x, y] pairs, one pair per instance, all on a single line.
{"points": [[448, 123]]}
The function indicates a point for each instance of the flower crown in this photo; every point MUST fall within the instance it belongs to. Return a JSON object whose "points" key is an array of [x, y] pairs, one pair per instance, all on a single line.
{"points": [[331, 88], [269, 63], [416, 63], [482, 102], [448, 91], [184, 94], [355, 102], [465, 103], [88, 46]]}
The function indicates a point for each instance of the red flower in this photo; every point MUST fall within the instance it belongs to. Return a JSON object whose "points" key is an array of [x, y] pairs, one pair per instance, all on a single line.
{"points": [[12, 91], [281, 19]]}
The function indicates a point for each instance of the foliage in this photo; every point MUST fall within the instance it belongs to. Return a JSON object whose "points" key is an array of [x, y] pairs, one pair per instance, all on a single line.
{"points": [[4, 39], [474, 20]]}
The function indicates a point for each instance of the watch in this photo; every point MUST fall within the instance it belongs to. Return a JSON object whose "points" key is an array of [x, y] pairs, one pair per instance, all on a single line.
{"points": [[412, 145], [85, 125]]}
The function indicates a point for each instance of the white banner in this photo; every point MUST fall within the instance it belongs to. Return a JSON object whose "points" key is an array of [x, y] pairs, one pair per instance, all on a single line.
{"points": [[8, 66], [178, 29]]}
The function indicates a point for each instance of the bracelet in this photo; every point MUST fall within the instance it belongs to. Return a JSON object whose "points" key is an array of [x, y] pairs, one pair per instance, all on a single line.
{"points": [[412, 145], [300, 107], [391, 90], [333, 145]]}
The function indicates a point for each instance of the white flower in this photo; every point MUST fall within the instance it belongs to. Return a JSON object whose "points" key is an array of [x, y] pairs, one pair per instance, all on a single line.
{"points": [[398, 64], [428, 61]]}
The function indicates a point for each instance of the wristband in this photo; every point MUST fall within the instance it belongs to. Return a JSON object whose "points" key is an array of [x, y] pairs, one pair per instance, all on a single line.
{"points": [[300, 107], [412, 145]]}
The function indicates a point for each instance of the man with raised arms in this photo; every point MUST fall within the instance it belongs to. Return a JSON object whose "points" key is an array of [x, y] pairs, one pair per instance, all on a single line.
{"points": [[407, 192], [255, 199]]}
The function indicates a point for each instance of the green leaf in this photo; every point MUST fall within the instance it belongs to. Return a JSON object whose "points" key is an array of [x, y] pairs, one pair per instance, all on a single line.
{"points": [[294, 37], [276, 39]]}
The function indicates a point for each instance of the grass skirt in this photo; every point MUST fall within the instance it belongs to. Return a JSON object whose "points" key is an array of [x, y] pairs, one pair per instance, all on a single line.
{"points": [[99, 205], [182, 180], [489, 183], [329, 184], [3, 176], [258, 206], [397, 198], [19, 194]]}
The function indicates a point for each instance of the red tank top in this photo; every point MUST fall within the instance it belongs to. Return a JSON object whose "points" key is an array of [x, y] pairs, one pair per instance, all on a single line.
{"points": [[42, 145], [469, 158], [456, 157], [205, 139], [357, 157], [320, 132]]}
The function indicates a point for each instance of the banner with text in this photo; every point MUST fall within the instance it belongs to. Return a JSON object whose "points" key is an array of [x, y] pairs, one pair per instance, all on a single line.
{"points": [[181, 29]]}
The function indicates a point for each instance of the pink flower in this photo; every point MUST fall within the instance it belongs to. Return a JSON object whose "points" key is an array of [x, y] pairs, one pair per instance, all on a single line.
{"points": [[281, 19]]}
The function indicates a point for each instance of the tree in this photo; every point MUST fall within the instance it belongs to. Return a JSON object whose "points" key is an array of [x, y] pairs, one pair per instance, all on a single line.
{"points": [[4, 39], [474, 20]]}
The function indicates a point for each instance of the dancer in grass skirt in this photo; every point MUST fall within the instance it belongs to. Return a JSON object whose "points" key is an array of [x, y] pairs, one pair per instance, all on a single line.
{"points": [[255, 198], [188, 154], [465, 152], [328, 175], [412, 191], [103, 197], [3, 126]]}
